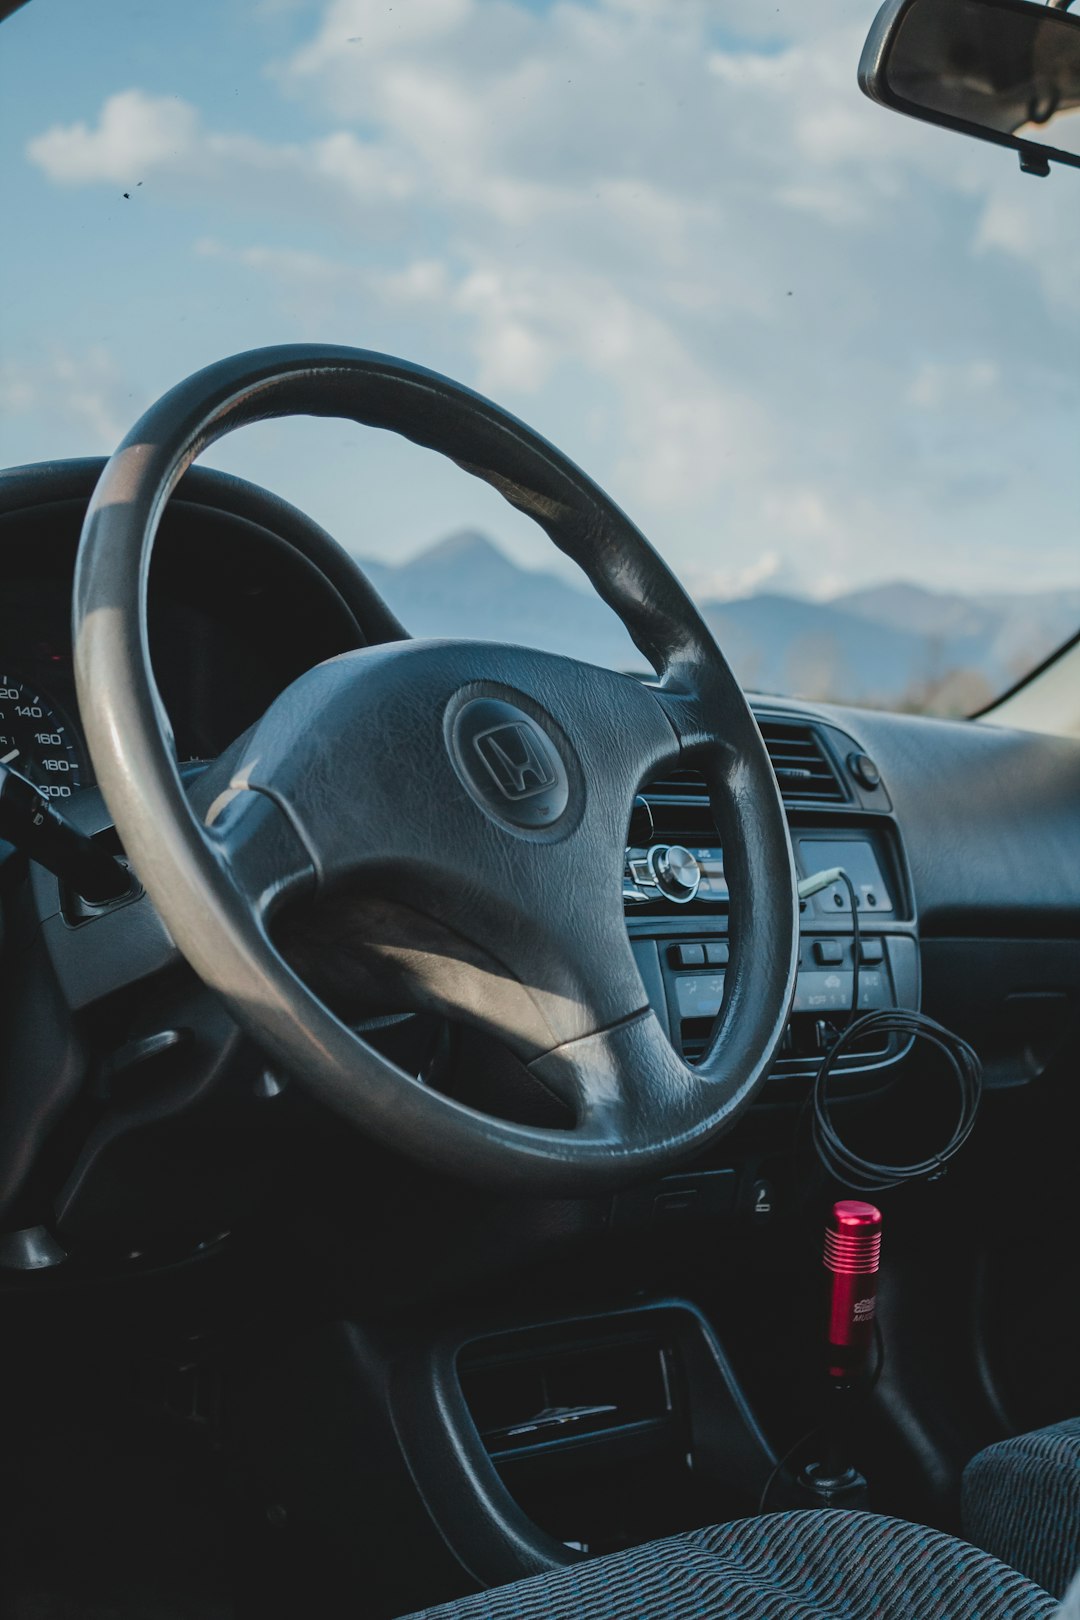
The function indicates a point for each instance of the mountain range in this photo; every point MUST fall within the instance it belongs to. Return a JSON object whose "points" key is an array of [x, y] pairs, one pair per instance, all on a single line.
{"points": [[896, 644]]}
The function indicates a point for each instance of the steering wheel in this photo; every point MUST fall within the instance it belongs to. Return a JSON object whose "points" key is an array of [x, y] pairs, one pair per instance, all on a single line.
{"points": [[454, 812]]}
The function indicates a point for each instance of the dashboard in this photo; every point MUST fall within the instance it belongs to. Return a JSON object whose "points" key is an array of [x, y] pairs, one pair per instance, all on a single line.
{"points": [[237, 612], [962, 839]]}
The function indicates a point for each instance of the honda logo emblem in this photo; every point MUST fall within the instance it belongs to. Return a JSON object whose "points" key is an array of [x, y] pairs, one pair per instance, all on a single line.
{"points": [[509, 764], [516, 760]]}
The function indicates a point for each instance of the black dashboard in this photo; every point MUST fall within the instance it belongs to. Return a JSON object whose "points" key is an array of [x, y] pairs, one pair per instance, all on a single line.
{"points": [[962, 839], [954, 832], [237, 612]]}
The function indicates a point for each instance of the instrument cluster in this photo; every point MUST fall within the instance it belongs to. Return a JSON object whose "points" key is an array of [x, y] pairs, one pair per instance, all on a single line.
{"points": [[37, 737], [235, 615]]}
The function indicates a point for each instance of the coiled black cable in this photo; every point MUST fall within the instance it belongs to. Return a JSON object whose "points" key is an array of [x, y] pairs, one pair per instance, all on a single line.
{"points": [[842, 1162], [866, 1175]]}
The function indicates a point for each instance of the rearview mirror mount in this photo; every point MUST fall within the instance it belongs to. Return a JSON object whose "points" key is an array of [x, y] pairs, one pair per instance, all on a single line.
{"points": [[1001, 70]]}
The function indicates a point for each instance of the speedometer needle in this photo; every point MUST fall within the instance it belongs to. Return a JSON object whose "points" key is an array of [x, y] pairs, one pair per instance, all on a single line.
{"points": [[7, 759]]}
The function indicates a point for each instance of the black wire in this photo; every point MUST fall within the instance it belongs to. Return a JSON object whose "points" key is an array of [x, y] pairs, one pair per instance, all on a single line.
{"points": [[842, 1162], [879, 1368], [853, 1009], [856, 947], [782, 1464], [866, 1175]]}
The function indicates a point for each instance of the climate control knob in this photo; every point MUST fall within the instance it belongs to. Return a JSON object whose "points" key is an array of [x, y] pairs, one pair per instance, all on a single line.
{"points": [[675, 872]]}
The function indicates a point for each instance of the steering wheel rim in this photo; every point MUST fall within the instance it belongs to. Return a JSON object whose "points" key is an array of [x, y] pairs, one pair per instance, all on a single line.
{"points": [[506, 936]]}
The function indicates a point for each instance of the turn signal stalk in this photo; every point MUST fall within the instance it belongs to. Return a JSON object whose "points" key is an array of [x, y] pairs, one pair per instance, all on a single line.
{"points": [[32, 823]]}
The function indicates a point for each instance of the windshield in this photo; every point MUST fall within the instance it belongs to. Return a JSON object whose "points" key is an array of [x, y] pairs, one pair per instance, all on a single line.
{"points": [[825, 357]]}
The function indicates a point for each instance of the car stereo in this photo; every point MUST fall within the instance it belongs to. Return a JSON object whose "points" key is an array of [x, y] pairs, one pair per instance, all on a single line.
{"points": [[677, 902]]}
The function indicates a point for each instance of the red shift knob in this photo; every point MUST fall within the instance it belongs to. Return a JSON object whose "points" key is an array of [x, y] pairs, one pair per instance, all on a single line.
{"points": [[852, 1257]]}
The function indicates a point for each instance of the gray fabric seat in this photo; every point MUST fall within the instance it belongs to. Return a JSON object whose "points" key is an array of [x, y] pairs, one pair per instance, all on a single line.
{"points": [[788, 1566], [1021, 1502]]}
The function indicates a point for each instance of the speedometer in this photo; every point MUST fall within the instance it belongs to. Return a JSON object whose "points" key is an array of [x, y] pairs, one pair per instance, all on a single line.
{"points": [[36, 741]]}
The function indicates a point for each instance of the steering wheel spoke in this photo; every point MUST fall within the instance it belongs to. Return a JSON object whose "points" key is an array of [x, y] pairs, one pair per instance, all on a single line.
{"points": [[627, 1081], [264, 854]]}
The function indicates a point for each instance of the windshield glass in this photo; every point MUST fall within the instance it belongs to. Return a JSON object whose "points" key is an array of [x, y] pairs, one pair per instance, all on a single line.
{"points": [[825, 357]]}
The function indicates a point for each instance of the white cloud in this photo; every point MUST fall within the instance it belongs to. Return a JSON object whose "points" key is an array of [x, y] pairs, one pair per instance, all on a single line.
{"points": [[135, 134], [81, 395], [768, 571], [681, 429], [936, 386], [372, 27], [1040, 231], [140, 137], [674, 232]]}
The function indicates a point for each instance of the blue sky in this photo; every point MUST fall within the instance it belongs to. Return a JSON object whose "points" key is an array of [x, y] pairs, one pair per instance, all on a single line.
{"points": [[806, 344]]}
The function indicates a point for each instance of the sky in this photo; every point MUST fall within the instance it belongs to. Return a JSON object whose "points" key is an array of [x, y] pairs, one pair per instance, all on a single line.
{"points": [[807, 344]]}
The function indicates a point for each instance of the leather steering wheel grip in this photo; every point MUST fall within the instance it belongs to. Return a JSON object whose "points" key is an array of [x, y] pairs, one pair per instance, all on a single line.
{"points": [[448, 817]]}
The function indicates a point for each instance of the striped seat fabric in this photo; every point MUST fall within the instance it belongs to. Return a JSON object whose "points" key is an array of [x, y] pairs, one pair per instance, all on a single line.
{"points": [[1021, 1501], [789, 1566]]}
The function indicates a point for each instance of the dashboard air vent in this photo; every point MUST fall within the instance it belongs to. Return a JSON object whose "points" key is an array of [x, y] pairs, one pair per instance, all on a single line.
{"points": [[803, 769], [802, 766], [679, 785]]}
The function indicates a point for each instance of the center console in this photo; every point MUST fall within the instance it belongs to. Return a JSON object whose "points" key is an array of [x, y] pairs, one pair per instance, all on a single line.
{"points": [[840, 816], [545, 1442], [607, 1430]]}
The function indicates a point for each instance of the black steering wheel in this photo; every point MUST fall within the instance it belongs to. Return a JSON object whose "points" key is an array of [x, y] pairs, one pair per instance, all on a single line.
{"points": [[452, 814]]}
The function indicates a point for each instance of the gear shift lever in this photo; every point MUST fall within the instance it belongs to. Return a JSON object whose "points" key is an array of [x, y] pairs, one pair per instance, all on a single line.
{"points": [[852, 1256]]}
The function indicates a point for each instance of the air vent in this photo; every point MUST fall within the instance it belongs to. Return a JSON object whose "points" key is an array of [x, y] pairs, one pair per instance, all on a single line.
{"points": [[803, 769], [679, 785]]}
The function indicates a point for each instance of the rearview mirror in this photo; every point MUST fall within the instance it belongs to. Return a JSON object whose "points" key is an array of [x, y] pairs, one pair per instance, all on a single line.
{"points": [[1002, 70]]}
